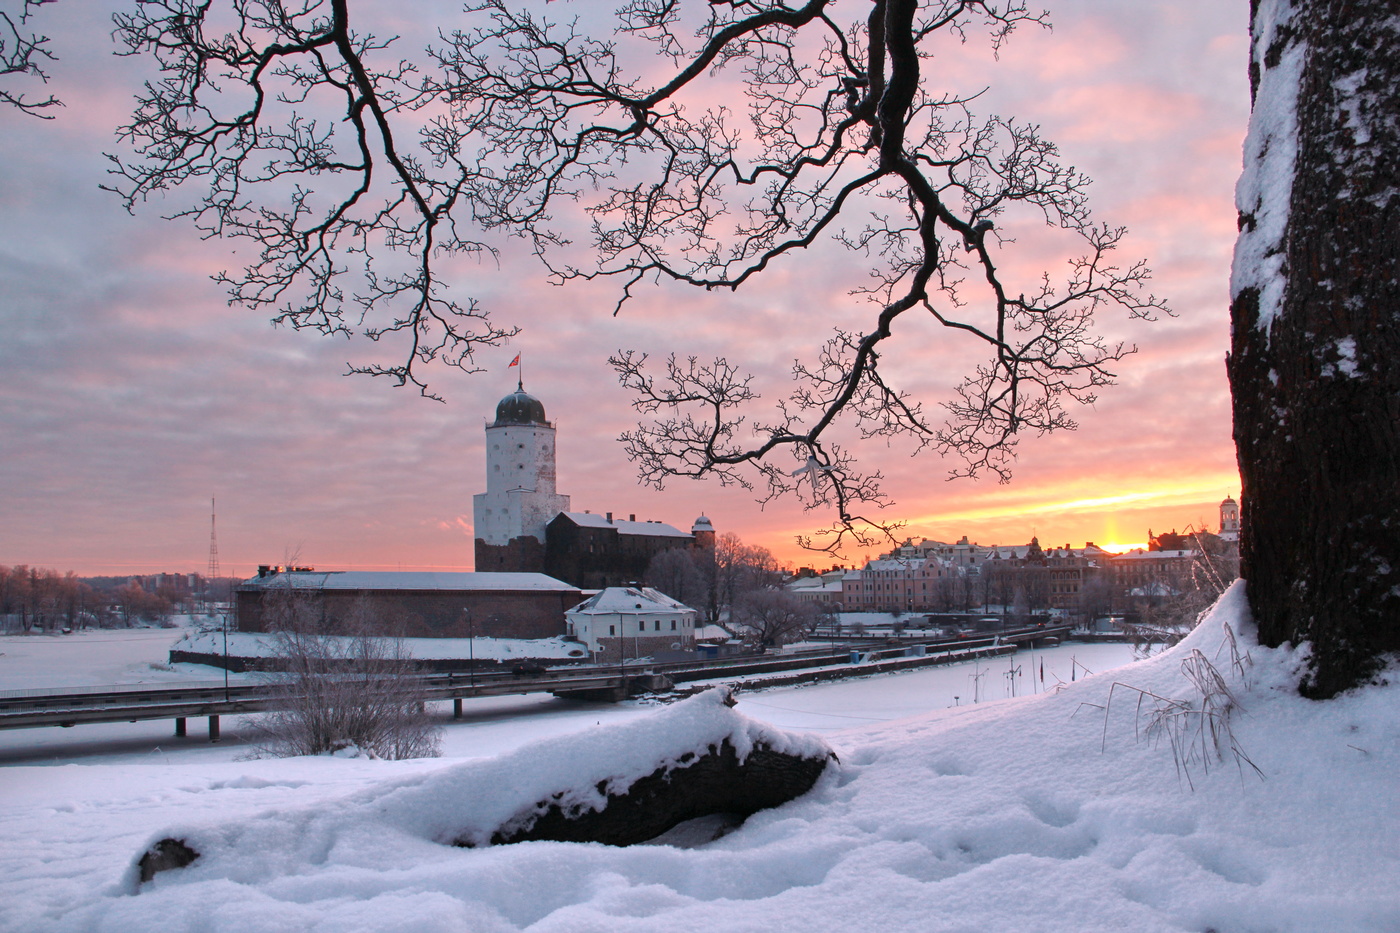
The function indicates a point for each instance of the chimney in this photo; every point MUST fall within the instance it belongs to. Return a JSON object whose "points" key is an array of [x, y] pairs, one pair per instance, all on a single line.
{"points": [[609, 518], [631, 518]]}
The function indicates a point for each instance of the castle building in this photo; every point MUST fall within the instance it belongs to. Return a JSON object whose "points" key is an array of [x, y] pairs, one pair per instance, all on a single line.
{"points": [[523, 525]]}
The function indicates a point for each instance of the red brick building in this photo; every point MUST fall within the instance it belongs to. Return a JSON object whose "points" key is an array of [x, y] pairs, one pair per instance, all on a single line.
{"points": [[413, 604]]}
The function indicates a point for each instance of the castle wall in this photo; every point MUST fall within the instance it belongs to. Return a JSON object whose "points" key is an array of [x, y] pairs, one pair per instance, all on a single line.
{"points": [[525, 554], [410, 613]]}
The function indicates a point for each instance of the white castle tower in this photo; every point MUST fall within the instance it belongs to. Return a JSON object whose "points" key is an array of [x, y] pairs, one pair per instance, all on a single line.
{"points": [[510, 517]]}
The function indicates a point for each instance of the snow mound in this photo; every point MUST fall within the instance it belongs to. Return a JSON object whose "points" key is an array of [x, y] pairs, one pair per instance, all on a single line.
{"points": [[1058, 813], [465, 804]]}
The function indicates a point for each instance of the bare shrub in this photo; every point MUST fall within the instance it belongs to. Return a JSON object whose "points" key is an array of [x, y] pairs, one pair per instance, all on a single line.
{"points": [[356, 692], [771, 618], [1197, 727]]}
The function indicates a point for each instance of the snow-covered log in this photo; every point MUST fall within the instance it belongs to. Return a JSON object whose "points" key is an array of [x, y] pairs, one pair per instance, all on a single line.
{"points": [[615, 784], [693, 786]]}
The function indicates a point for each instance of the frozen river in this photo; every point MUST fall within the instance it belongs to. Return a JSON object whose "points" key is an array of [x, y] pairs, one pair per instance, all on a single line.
{"points": [[491, 726]]}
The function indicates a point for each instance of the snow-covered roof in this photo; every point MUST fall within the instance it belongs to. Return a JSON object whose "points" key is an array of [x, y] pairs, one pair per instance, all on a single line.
{"points": [[712, 632], [624, 599], [1140, 554], [893, 563], [655, 529], [409, 580], [824, 582]]}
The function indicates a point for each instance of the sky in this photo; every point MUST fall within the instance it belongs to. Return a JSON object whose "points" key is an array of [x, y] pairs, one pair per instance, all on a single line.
{"points": [[131, 394]]}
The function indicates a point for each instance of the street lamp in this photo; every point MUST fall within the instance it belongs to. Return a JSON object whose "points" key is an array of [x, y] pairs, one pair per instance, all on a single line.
{"points": [[225, 631], [471, 649]]}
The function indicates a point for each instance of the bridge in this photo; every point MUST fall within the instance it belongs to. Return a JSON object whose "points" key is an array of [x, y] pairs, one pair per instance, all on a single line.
{"points": [[21, 709]]}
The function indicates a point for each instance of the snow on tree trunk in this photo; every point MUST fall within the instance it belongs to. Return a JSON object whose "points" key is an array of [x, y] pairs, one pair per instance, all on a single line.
{"points": [[1315, 348]]}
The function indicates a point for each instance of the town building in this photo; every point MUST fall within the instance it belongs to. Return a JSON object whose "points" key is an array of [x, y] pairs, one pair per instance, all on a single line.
{"points": [[824, 589], [1173, 560], [632, 622], [936, 577], [897, 584]]}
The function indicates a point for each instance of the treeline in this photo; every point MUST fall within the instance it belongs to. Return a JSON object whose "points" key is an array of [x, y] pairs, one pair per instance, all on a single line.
{"points": [[41, 599]]}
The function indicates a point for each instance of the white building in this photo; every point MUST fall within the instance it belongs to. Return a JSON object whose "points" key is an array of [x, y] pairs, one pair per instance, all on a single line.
{"points": [[631, 622]]}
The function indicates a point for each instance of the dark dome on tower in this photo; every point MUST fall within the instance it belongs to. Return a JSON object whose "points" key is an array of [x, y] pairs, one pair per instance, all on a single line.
{"points": [[520, 407]]}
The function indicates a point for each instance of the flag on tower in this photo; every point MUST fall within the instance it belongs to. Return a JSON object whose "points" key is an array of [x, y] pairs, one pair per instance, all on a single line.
{"points": [[515, 362]]}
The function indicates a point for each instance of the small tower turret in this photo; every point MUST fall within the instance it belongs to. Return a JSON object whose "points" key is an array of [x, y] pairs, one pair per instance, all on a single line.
{"points": [[704, 533]]}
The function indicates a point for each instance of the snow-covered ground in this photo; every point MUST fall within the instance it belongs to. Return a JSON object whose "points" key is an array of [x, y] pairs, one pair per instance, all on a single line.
{"points": [[1041, 813], [248, 645], [94, 657]]}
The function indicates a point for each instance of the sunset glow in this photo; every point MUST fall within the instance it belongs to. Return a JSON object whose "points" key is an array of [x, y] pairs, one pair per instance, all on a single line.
{"points": [[130, 393]]}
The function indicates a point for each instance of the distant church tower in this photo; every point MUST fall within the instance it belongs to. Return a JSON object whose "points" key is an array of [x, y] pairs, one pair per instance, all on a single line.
{"points": [[510, 517], [1229, 519]]}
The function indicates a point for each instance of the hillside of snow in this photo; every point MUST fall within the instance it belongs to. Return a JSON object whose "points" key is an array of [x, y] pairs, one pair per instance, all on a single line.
{"points": [[1054, 812]]}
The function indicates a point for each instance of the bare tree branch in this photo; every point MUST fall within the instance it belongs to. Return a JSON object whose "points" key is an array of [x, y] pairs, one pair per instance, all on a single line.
{"points": [[538, 129], [286, 118], [23, 53]]}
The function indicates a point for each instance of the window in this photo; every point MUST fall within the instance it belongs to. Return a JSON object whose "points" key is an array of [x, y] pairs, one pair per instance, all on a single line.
{"points": [[610, 630], [673, 625]]}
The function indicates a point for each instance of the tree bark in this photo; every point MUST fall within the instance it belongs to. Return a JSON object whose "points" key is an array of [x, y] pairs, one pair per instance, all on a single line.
{"points": [[1315, 347]]}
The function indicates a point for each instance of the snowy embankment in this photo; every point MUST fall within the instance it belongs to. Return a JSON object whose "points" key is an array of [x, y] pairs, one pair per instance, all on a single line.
{"points": [[250, 645], [1047, 813]]}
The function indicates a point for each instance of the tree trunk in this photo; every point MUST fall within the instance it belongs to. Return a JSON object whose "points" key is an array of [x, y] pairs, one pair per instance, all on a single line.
{"points": [[1315, 349]]}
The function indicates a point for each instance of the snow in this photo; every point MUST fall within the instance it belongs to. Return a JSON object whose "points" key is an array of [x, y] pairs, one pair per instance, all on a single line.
{"points": [[482, 648], [467, 802], [617, 599], [410, 580], [1051, 812], [1265, 188], [95, 657], [627, 527], [1346, 356]]}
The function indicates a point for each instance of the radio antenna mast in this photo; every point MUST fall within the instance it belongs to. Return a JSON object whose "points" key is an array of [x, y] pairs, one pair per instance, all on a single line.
{"points": [[212, 573]]}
